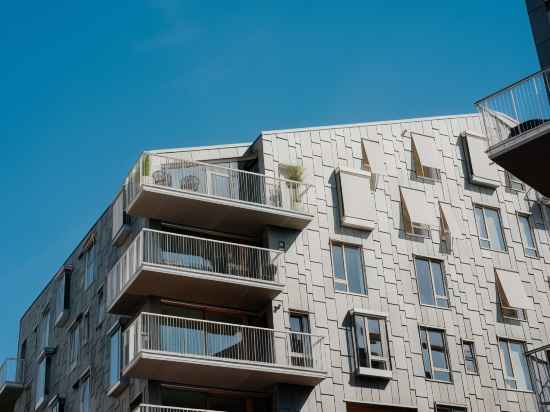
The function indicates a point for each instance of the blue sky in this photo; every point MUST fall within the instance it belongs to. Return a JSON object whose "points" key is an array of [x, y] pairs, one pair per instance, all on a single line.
{"points": [[86, 86]]}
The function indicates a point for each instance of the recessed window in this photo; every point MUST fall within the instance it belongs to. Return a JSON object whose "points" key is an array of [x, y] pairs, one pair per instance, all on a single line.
{"points": [[527, 236], [41, 388], [300, 341], [371, 344], [445, 408], [489, 227], [418, 216], [372, 157], [44, 330], [426, 158], [434, 354], [100, 307], [514, 183], [348, 269], [470, 361], [62, 296], [57, 405], [116, 356], [90, 266], [432, 288], [514, 365], [85, 396], [85, 328], [74, 344]]}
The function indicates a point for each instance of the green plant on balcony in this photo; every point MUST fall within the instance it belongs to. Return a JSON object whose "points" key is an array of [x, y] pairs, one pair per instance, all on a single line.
{"points": [[146, 165], [296, 174]]}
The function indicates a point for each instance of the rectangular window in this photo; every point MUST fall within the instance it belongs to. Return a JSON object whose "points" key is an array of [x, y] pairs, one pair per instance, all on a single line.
{"points": [[116, 356], [85, 328], [371, 342], [514, 183], [514, 365], [489, 227], [90, 266], [434, 354], [445, 408], [41, 382], [431, 282], [85, 398], [527, 236], [511, 296], [62, 296], [57, 405], [74, 344], [425, 156], [300, 340], [44, 331], [348, 269], [470, 361], [100, 307]]}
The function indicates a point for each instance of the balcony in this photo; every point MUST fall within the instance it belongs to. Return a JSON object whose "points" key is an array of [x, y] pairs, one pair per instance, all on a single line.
{"points": [[516, 124], [193, 269], [158, 408], [204, 353], [213, 197], [11, 383]]}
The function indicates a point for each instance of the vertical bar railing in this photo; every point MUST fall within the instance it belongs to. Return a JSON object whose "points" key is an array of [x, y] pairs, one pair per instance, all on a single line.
{"points": [[517, 109], [156, 408], [11, 371], [218, 181], [196, 254], [217, 340]]}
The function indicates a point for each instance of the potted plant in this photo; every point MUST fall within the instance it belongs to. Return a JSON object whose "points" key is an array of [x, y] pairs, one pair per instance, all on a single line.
{"points": [[296, 174]]}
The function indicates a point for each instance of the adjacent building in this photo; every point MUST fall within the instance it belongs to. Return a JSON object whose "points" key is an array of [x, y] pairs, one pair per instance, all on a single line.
{"points": [[367, 267]]}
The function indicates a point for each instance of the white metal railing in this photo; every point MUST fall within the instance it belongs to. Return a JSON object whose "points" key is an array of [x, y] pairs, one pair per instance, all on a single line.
{"points": [[213, 180], [156, 408], [11, 371], [197, 338], [518, 108], [195, 254]]}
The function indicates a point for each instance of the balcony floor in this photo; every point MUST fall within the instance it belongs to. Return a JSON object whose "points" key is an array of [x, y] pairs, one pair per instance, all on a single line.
{"points": [[212, 213], [8, 395], [526, 156], [194, 286], [238, 375]]}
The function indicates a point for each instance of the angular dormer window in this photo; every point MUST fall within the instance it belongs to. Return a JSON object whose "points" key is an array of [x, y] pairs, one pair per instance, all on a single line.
{"points": [[482, 171], [427, 160], [356, 199], [417, 214]]}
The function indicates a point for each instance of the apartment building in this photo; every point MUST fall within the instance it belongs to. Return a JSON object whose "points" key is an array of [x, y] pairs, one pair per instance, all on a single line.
{"points": [[379, 266]]}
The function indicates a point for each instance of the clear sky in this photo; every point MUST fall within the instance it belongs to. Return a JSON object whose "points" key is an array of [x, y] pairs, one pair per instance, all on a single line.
{"points": [[86, 86]]}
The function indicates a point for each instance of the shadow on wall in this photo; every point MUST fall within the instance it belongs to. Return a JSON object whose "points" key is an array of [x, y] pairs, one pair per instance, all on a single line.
{"points": [[294, 398], [355, 380]]}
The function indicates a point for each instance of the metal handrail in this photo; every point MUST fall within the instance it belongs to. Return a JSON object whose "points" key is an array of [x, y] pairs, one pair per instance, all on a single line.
{"points": [[206, 339], [157, 408], [11, 371], [177, 251], [516, 109], [217, 181]]}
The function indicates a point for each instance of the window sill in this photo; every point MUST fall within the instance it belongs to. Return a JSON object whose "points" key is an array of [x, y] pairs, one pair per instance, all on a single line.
{"points": [[439, 381], [351, 293], [435, 307], [505, 251], [517, 390], [374, 373]]}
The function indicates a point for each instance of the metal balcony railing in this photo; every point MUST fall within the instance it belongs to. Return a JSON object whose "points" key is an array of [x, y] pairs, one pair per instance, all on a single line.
{"points": [[217, 181], [516, 109], [155, 408], [11, 371], [197, 338], [196, 254]]}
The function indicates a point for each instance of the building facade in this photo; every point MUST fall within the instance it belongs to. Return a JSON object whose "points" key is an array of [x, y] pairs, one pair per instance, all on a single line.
{"points": [[379, 266], [539, 18]]}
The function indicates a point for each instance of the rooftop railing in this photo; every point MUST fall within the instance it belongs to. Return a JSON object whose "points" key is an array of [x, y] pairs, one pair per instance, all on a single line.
{"points": [[155, 408], [516, 109], [216, 181], [11, 371], [197, 338], [230, 260]]}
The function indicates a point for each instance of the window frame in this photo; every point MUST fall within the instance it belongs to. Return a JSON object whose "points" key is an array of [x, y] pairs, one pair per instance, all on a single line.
{"points": [[117, 330], [530, 225], [514, 367], [300, 341], [62, 296], [44, 331], [491, 247], [90, 265], [369, 370], [101, 313], [444, 278], [341, 281], [471, 344], [74, 344], [440, 407], [85, 404], [508, 312], [42, 372], [512, 180], [427, 329], [421, 172]]}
